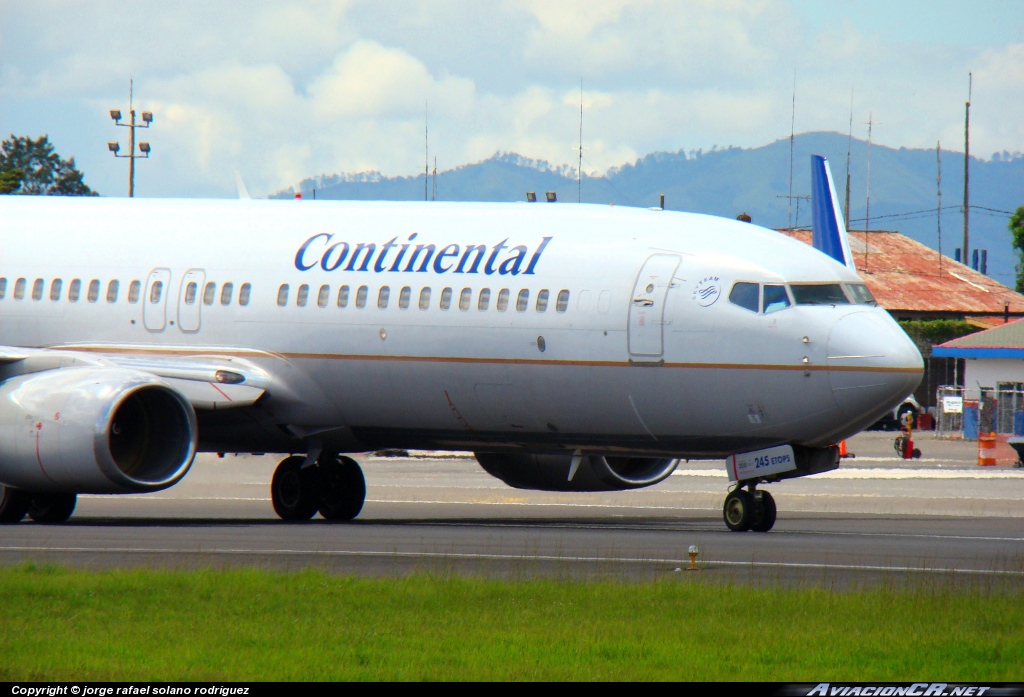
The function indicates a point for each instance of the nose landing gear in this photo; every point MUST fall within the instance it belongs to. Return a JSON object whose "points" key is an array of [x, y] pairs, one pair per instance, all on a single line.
{"points": [[749, 510], [334, 486]]}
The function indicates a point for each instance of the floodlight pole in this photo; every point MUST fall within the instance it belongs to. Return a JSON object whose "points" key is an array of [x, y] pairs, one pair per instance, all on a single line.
{"points": [[147, 118]]}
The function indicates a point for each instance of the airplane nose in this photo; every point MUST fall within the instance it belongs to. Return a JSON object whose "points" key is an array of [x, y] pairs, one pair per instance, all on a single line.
{"points": [[872, 363]]}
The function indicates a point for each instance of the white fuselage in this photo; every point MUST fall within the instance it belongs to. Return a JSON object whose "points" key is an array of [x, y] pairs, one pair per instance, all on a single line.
{"points": [[639, 349]]}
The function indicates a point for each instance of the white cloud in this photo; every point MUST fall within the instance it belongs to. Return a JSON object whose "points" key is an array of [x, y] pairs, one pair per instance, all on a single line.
{"points": [[282, 91]]}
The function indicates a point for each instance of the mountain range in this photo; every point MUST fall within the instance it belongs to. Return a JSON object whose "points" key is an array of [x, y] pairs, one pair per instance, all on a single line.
{"points": [[755, 181]]}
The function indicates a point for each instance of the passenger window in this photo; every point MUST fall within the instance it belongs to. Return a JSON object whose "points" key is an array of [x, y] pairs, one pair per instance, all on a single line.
{"points": [[343, 296], [361, 296], [382, 297], [775, 298], [303, 295], [523, 300], [819, 294], [208, 292], [446, 298], [94, 291], [404, 297], [562, 303], [323, 296], [190, 293], [55, 289], [502, 300], [542, 300], [484, 300], [75, 290], [226, 291], [3, 287], [464, 298], [243, 294], [112, 289], [744, 295], [425, 299], [282, 295], [155, 292], [37, 289], [19, 288], [134, 288]]}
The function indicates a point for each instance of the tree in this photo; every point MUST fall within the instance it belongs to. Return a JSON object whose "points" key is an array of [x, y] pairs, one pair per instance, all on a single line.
{"points": [[1017, 230], [42, 170], [10, 180]]}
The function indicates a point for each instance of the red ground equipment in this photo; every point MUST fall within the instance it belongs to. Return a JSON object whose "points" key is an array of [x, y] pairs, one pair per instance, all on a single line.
{"points": [[904, 444]]}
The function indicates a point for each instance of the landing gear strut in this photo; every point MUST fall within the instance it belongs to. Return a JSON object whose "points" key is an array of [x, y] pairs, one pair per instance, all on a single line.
{"points": [[749, 510], [334, 486], [42, 508]]}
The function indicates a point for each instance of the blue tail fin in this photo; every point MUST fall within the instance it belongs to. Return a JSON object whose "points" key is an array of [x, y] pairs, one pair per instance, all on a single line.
{"points": [[828, 226]]}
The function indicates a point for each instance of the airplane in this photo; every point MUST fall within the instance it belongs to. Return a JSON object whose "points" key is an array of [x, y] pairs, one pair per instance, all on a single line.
{"points": [[570, 347]]}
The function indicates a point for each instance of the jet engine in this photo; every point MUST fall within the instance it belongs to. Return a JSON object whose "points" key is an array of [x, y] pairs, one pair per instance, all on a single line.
{"points": [[594, 473], [94, 430]]}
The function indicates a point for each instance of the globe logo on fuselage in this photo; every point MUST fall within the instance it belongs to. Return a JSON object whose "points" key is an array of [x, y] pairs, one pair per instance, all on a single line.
{"points": [[707, 291]]}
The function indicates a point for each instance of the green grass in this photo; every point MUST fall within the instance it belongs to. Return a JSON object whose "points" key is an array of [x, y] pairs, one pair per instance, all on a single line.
{"points": [[58, 624]]}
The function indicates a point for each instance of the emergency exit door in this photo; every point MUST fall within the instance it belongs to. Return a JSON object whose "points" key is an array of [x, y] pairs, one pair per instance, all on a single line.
{"points": [[154, 303], [647, 305]]}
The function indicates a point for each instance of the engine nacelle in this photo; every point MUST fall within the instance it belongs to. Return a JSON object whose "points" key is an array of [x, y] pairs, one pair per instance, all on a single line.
{"points": [[595, 472], [94, 430]]}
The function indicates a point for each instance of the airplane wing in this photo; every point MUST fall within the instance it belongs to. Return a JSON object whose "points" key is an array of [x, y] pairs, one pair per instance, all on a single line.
{"points": [[207, 382]]}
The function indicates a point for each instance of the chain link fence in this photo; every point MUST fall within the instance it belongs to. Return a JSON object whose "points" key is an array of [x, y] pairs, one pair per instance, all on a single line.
{"points": [[997, 410]]}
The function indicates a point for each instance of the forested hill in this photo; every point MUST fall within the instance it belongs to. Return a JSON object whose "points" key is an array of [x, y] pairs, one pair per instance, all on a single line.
{"points": [[755, 180]]}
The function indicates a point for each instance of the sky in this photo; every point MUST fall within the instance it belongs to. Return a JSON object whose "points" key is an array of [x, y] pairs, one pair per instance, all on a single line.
{"points": [[278, 91]]}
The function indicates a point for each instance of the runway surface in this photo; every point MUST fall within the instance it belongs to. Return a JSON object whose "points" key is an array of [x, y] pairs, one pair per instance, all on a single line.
{"points": [[876, 519]]}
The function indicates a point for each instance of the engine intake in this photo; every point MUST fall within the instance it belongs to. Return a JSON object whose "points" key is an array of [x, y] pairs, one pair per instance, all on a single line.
{"points": [[595, 472], [94, 430]]}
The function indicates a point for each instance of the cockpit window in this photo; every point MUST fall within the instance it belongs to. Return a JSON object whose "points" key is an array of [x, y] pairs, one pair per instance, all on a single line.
{"points": [[775, 298], [744, 295], [819, 294], [861, 294]]}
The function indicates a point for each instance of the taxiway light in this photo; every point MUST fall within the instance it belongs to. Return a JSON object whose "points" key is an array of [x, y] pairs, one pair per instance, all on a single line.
{"points": [[115, 114], [113, 147], [693, 552], [144, 147]]}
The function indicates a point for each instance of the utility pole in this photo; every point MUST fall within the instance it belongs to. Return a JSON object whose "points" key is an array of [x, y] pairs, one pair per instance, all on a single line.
{"points": [[938, 189], [115, 147], [967, 162]]}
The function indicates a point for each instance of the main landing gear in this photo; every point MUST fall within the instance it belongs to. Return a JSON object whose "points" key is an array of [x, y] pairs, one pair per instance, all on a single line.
{"points": [[749, 510], [334, 486], [15, 504]]}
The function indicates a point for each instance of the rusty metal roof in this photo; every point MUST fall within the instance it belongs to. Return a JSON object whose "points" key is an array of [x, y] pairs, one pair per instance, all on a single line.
{"points": [[904, 275]]}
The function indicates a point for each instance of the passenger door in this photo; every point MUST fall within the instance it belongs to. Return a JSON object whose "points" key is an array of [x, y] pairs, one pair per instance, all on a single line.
{"points": [[647, 305]]}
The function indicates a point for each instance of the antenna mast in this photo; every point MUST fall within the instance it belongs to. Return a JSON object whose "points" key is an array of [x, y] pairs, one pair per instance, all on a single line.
{"points": [[967, 160], [426, 149], [849, 144], [792, 135], [938, 189], [579, 168], [867, 215]]}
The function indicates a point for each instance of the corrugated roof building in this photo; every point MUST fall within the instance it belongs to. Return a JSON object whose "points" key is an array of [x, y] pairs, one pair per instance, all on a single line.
{"points": [[906, 279]]}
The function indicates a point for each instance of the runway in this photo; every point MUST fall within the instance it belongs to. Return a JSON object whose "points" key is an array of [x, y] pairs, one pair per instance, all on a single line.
{"points": [[877, 519]]}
